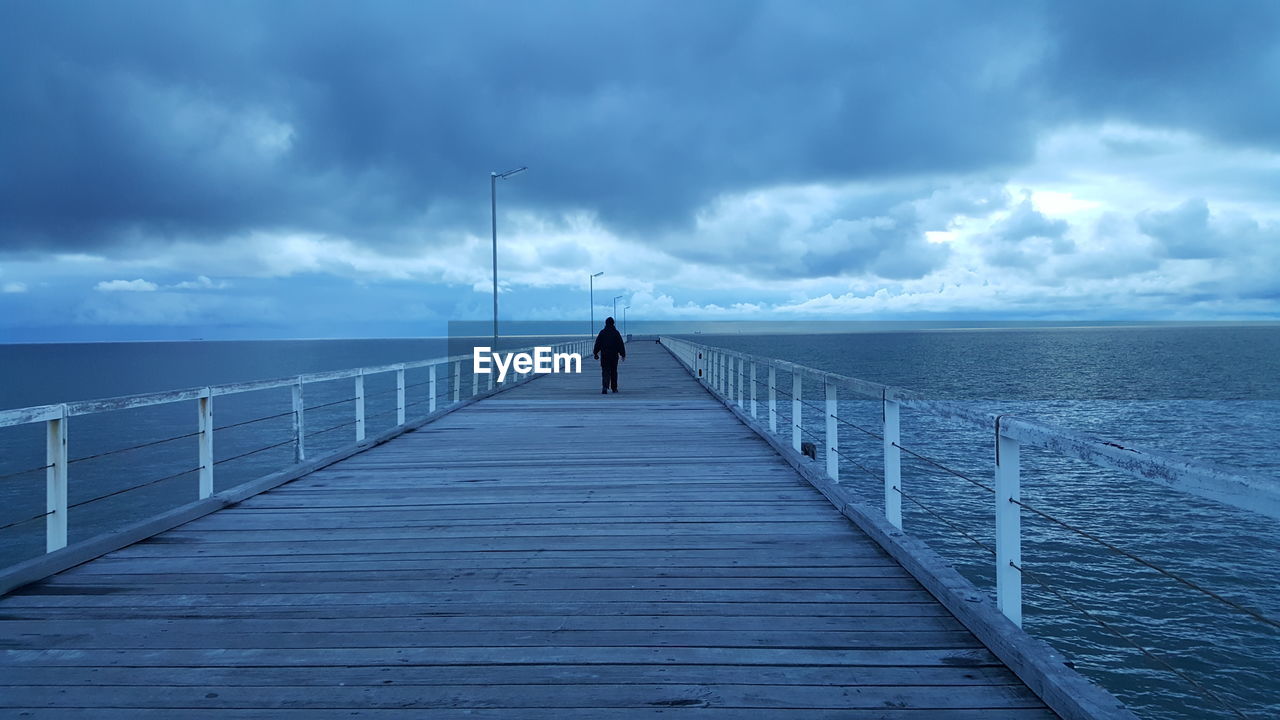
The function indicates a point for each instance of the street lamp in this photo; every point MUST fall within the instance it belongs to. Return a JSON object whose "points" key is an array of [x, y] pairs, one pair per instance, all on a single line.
{"points": [[624, 319], [592, 279], [493, 207], [615, 306]]}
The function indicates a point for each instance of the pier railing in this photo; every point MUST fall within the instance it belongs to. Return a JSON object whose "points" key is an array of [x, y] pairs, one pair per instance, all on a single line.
{"points": [[443, 372], [735, 376]]}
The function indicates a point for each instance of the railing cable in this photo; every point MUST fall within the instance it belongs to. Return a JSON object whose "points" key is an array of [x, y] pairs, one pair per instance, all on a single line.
{"points": [[6, 476], [862, 467], [139, 446], [254, 452], [1168, 573], [134, 487], [940, 466], [329, 429], [945, 521], [250, 422], [1118, 633], [328, 404], [6, 526]]}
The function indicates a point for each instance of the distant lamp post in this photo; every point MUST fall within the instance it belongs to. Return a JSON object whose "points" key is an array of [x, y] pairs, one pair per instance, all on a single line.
{"points": [[615, 305], [593, 301], [624, 319], [493, 207]]}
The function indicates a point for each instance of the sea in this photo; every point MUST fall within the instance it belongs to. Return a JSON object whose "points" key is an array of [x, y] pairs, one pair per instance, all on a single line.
{"points": [[1210, 393]]}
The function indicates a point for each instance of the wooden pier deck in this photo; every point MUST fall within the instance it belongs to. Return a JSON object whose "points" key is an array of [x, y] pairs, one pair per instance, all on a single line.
{"points": [[545, 553]]}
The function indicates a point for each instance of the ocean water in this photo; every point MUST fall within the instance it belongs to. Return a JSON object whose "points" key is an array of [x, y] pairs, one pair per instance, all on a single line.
{"points": [[1211, 393]]}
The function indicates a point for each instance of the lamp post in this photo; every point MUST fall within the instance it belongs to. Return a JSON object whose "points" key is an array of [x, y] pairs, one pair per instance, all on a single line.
{"points": [[615, 305], [493, 208], [624, 319], [592, 279]]}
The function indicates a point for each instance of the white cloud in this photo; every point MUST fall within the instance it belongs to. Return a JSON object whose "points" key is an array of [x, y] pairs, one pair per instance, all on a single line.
{"points": [[14, 287], [138, 285], [201, 282]]}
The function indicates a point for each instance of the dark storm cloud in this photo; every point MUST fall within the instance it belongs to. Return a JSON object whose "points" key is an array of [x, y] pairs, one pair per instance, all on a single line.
{"points": [[1209, 67], [199, 120], [149, 118]]}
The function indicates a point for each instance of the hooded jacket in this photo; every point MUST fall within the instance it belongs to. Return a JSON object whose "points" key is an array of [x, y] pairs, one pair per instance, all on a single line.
{"points": [[609, 342]]}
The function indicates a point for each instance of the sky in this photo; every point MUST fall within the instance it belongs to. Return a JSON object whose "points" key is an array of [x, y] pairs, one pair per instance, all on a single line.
{"points": [[273, 169]]}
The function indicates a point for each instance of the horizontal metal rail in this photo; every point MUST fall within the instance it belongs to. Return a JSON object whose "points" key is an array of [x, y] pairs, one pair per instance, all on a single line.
{"points": [[443, 386], [1230, 486], [724, 371]]}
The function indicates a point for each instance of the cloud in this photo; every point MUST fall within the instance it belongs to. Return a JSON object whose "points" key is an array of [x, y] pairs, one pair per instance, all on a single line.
{"points": [[251, 118], [1184, 232], [138, 285], [14, 287], [201, 282], [1187, 65], [730, 156], [1025, 237], [174, 309]]}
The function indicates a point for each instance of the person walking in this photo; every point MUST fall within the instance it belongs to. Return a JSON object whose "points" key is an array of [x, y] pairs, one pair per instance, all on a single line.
{"points": [[608, 350]]}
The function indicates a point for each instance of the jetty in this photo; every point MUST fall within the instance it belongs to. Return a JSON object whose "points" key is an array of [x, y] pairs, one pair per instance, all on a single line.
{"points": [[542, 552]]}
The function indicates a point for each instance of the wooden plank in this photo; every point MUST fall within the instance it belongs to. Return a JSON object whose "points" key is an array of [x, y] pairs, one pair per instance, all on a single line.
{"points": [[595, 695], [161, 596], [662, 712], [169, 639], [541, 655], [378, 675], [473, 622], [653, 557], [700, 577], [508, 606], [309, 584]]}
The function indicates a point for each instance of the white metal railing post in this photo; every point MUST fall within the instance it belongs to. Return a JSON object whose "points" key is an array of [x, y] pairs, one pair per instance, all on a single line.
{"points": [[205, 406], [400, 396], [431, 388], [475, 382], [55, 526], [1008, 527], [742, 380], [360, 406], [457, 381], [833, 432], [892, 461], [773, 400], [735, 389], [299, 423], [734, 377], [491, 380], [753, 390], [796, 419]]}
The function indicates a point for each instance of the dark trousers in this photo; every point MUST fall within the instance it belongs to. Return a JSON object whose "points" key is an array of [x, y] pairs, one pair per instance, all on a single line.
{"points": [[609, 371]]}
